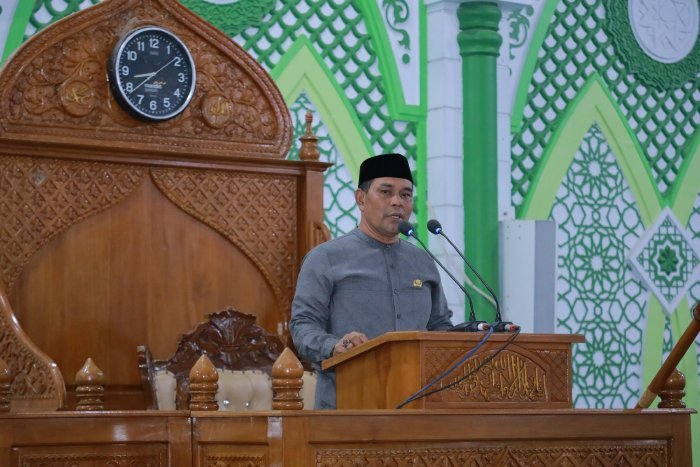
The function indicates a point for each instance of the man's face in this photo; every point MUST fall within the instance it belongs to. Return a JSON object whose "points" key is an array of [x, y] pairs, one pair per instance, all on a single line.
{"points": [[387, 202]]}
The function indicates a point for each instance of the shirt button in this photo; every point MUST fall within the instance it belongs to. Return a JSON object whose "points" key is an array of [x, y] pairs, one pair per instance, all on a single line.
{"points": [[398, 316]]}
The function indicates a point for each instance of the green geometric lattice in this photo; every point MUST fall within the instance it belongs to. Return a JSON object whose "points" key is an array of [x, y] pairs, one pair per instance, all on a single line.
{"points": [[598, 294], [49, 11], [694, 290], [341, 214], [666, 260], [647, 69], [575, 47], [234, 17], [340, 35]]}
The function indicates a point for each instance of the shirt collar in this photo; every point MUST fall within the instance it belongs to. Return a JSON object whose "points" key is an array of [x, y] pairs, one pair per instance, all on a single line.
{"points": [[374, 242]]}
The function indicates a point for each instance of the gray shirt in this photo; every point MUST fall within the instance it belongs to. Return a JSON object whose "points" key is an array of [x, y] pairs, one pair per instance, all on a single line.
{"points": [[356, 283]]}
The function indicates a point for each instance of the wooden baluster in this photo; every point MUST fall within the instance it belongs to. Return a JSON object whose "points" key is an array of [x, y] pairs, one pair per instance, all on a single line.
{"points": [[286, 382], [203, 385], [673, 391], [309, 147], [671, 362], [90, 390], [5, 383]]}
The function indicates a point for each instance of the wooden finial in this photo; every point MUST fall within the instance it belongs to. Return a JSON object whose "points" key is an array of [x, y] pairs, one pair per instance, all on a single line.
{"points": [[286, 382], [673, 391], [5, 383], [309, 147], [203, 385], [89, 391]]}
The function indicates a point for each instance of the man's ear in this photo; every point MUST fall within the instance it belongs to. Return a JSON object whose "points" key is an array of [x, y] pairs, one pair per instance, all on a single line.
{"points": [[360, 196]]}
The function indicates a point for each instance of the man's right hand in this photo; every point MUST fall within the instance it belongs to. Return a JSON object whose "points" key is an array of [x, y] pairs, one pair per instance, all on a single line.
{"points": [[348, 341]]}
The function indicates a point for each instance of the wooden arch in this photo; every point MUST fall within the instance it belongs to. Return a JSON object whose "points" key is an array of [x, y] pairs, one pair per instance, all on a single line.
{"points": [[115, 232]]}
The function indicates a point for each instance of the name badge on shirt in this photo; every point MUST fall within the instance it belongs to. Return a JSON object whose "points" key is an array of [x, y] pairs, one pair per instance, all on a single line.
{"points": [[417, 283]]}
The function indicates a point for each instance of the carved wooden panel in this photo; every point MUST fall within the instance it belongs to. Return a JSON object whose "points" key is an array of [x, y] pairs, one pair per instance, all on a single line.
{"points": [[640, 452], [40, 198], [105, 455], [57, 91], [256, 212], [234, 456], [36, 382], [515, 375]]}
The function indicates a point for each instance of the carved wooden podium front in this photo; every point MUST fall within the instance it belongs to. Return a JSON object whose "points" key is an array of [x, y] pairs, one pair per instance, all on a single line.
{"points": [[534, 371]]}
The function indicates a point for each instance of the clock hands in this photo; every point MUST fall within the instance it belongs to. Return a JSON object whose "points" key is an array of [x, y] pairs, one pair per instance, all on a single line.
{"points": [[151, 75]]}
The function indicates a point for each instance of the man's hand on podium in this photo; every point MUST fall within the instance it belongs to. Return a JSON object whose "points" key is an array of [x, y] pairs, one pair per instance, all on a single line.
{"points": [[348, 341]]}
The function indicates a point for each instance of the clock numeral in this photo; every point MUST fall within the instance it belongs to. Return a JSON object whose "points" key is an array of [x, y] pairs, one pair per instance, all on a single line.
{"points": [[141, 46], [153, 43], [125, 71], [140, 96], [177, 93], [177, 61], [181, 77], [168, 49], [153, 105], [166, 102], [129, 87], [131, 55]]}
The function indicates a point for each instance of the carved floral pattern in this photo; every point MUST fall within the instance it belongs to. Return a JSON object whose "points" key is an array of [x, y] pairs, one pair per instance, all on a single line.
{"points": [[34, 375], [63, 89], [127, 456], [604, 455], [256, 212], [235, 461], [41, 198]]}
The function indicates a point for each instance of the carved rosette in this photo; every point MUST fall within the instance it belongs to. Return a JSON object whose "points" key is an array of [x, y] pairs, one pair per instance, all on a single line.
{"points": [[57, 89], [40, 198], [255, 212]]}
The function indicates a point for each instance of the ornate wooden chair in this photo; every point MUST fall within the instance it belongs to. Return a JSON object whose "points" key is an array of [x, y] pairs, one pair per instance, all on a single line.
{"points": [[243, 354]]}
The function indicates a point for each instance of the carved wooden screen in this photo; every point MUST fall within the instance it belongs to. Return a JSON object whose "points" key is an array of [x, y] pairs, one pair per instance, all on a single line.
{"points": [[116, 232]]}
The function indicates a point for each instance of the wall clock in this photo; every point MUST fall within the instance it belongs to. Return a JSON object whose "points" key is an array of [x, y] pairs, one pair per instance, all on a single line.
{"points": [[152, 74]]}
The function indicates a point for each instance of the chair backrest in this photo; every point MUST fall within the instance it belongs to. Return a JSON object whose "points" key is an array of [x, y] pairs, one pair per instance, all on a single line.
{"points": [[243, 354]]}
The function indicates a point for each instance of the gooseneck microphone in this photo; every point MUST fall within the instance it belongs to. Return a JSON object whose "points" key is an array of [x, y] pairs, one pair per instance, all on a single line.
{"points": [[407, 229], [499, 325]]}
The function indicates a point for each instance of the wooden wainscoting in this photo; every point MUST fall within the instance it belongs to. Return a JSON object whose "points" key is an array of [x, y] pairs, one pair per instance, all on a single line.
{"points": [[331, 438]]}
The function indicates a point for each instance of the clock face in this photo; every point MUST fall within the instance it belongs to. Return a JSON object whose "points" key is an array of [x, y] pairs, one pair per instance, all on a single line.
{"points": [[152, 74]]}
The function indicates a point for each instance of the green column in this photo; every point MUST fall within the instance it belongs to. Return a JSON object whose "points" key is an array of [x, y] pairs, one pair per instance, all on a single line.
{"points": [[479, 42]]}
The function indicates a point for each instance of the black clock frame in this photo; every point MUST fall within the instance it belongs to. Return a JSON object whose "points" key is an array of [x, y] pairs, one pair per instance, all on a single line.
{"points": [[119, 87]]}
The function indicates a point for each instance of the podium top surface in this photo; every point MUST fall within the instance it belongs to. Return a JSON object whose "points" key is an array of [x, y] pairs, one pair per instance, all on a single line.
{"points": [[401, 336]]}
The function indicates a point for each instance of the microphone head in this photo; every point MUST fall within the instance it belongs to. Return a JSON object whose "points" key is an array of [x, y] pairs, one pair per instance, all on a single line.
{"points": [[406, 228], [434, 226]]}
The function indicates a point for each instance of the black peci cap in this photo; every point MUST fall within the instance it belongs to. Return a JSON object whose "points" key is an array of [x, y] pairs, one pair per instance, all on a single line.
{"points": [[385, 165]]}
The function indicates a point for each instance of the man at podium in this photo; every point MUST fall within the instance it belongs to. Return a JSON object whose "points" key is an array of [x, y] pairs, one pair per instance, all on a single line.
{"points": [[367, 282]]}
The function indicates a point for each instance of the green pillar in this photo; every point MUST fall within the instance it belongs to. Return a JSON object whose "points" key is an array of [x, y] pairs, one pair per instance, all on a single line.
{"points": [[479, 42]]}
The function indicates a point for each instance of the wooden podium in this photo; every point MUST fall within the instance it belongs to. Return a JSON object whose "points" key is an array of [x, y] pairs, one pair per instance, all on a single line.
{"points": [[534, 371]]}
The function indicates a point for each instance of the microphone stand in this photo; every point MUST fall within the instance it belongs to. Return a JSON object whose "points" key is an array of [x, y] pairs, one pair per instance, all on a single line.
{"points": [[471, 326], [499, 325]]}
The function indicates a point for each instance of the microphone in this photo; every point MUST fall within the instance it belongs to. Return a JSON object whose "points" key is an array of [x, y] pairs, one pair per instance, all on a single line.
{"points": [[407, 229], [499, 325]]}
